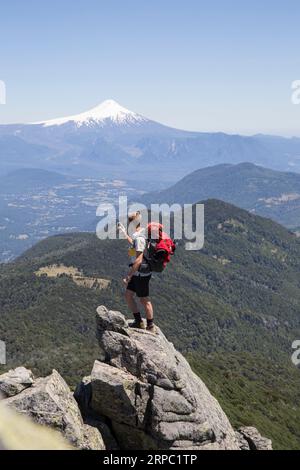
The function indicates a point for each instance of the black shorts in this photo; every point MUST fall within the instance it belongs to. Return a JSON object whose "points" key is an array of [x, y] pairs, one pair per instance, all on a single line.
{"points": [[139, 285]]}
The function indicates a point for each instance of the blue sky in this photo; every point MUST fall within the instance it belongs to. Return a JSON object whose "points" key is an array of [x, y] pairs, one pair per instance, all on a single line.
{"points": [[218, 65]]}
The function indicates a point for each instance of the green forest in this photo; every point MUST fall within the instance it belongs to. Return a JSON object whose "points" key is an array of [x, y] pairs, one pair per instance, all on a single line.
{"points": [[233, 309]]}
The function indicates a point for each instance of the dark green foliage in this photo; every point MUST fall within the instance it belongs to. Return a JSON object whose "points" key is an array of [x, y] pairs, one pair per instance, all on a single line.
{"points": [[252, 389]]}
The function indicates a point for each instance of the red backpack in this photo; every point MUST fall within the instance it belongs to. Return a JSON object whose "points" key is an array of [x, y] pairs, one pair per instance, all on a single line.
{"points": [[160, 248]]}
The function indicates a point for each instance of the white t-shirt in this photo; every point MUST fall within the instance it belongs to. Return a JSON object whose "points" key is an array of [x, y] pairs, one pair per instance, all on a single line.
{"points": [[139, 245]]}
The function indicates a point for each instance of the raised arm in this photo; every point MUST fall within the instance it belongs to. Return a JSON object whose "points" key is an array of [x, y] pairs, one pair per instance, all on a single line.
{"points": [[122, 229]]}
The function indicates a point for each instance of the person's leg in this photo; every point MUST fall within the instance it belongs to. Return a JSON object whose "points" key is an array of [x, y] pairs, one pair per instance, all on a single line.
{"points": [[142, 291], [131, 302], [146, 303]]}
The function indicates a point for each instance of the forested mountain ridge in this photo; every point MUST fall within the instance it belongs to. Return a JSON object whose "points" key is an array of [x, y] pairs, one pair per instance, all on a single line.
{"points": [[265, 192], [232, 308]]}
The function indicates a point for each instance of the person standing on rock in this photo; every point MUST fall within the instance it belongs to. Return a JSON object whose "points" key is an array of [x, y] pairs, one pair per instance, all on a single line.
{"points": [[138, 278]]}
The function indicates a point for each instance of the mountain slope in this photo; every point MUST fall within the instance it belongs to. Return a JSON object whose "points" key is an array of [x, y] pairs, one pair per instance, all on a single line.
{"points": [[260, 190], [233, 308], [16, 152], [111, 139], [28, 179]]}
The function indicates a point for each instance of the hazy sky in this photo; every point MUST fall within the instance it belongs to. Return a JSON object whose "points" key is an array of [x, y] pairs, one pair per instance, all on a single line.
{"points": [[217, 65]]}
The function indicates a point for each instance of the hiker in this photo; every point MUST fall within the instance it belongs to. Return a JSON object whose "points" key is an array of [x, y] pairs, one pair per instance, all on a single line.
{"points": [[139, 275]]}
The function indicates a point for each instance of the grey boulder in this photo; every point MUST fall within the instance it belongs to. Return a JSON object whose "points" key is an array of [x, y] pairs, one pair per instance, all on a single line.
{"points": [[251, 439], [15, 381], [150, 395], [50, 402]]}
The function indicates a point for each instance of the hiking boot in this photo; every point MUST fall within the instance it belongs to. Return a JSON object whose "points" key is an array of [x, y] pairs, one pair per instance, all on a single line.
{"points": [[137, 324], [151, 328]]}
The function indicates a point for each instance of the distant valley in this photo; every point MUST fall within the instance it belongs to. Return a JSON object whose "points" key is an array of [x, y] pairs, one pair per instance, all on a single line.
{"points": [[35, 204]]}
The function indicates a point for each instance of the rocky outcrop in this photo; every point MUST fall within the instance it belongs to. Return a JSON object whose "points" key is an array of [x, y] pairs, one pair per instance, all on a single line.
{"points": [[15, 381], [141, 394], [149, 394], [250, 439], [49, 402]]}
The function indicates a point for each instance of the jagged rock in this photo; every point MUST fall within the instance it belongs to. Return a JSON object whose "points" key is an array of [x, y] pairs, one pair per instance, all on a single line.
{"points": [[243, 444], [83, 394], [150, 394], [115, 393], [15, 381], [251, 438], [50, 402], [141, 395]]}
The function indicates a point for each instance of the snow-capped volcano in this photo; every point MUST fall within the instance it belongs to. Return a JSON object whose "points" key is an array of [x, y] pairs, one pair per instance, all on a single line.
{"points": [[108, 112], [114, 142]]}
